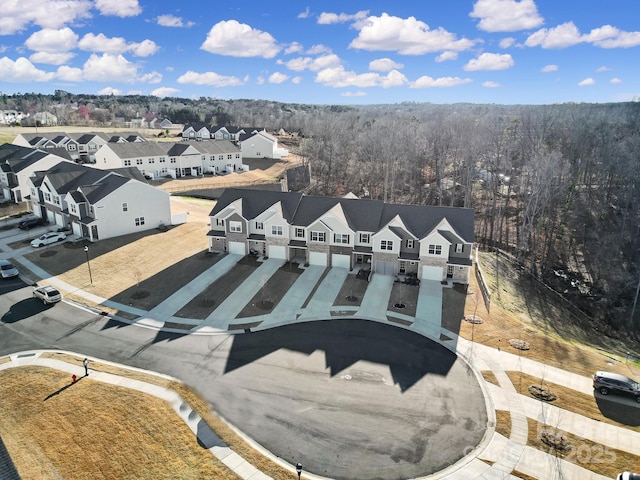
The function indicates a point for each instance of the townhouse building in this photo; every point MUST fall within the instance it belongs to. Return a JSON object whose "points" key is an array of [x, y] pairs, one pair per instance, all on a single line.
{"points": [[432, 243], [98, 204]]}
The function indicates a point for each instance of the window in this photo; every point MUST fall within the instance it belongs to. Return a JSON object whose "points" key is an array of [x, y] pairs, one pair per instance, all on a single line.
{"points": [[220, 222], [163, 160], [47, 196], [125, 207], [435, 249], [235, 227], [365, 238], [138, 161], [318, 236], [276, 229], [299, 232], [127, 163], [56, 199], [151, 160], [229, 156], [237, 155], [220, 157], [386, 244], [72, 147], [410, 243], [139, 221], [92, 147], [340, 238], [259, 226], [173, 159], [459, 247], [72, 208]]}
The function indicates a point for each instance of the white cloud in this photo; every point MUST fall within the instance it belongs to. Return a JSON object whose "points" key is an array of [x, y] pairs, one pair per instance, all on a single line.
{"points": [[278, 77], [69, 74], [567, 35], [507, 42], [331, 18], [506, 15], [109, 67], [447, 56], [296, 80], [239, 40], [22, 70], [359, 93], [587, 82], [314, 64], [338, 77], [603, 68], [109, 91], [295, 47], [405, 36], [384, 65], [173, 21], [119, 8], [430, 82], [490, 61], [164, 92], [260, 80], [51, 58], [615, 81], [153, 77], [18, 15], [116, 45], [210, 78], [549, 68], [489, 84], [52, 41], [318, 49], [305, 14]]}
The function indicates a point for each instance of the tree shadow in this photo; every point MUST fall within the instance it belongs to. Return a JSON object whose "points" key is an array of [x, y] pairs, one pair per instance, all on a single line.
{"points": [[24, 309], [410, 356], [619, 409], [59, 391]]}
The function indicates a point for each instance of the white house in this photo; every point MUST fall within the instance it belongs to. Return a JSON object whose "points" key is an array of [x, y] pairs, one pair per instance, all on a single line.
{"points": [[98, 204], [261, 145]]}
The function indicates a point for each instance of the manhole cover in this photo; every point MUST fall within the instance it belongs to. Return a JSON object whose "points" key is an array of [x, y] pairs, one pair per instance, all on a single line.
{"points": [[347, 377]]}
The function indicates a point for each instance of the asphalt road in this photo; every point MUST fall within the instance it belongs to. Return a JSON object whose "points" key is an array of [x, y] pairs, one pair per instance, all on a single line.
{"points": [[347, 398]]}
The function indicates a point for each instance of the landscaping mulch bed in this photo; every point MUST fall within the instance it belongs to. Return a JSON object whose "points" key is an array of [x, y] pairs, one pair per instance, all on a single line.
{"points": [[404, 299], [203, 304], [272, 291], [351, 292]]}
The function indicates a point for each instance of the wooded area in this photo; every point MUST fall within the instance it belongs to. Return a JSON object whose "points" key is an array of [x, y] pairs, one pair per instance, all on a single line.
{"points": [[553, 186]]}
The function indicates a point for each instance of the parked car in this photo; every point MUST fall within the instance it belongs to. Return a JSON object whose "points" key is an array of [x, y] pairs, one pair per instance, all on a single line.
{"points": [[31, 222], [47, 294], [48, 238], [7, 270], [628, 476], [607, 382]]}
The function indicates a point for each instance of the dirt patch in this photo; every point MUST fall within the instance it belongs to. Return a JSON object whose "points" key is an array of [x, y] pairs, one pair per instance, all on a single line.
{"points": [[203, 304], [272, 291], [351, 292]]}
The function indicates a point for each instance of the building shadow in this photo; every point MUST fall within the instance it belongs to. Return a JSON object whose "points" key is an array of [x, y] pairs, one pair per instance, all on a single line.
{"points": [[408, 355], [7, 468]]}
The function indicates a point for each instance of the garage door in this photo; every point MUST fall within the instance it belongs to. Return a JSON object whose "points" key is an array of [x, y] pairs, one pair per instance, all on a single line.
{"points": [[238, 248], [277, 251], [432, 273], [385, 268], [341, 261], [318, 258]]}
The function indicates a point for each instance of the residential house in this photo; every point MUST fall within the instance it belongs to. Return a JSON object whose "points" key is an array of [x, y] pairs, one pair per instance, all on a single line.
{"points": [[173, 159], [196, 131], [81, 147], [261, 145], [10, 117], [98, 204], [432, 243], [18, 163]]}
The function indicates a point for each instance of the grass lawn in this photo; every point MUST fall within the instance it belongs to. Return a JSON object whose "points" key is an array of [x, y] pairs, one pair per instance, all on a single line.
{"points": [[56, 429]]}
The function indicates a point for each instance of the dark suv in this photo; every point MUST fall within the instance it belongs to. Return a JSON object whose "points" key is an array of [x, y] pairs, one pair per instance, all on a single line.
{"points": [[606, 383], [31, 222]]}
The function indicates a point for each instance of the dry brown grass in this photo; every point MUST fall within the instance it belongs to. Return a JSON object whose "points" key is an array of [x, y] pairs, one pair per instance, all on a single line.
{"points": [[57, 429], [570, 400], [503, 423], [490, 377], [593, 456]]}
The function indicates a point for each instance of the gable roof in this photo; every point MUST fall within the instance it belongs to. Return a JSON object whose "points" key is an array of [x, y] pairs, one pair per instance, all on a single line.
{"points": [[254, 202]]}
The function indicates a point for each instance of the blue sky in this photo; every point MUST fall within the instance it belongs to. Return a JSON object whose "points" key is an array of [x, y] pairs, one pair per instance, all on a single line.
{"points": [[326, 52]]}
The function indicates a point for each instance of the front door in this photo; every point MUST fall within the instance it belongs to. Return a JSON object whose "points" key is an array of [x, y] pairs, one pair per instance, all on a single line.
{"points": [[94, 232]]}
